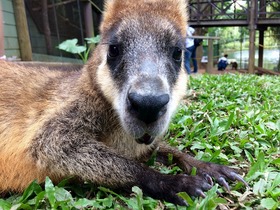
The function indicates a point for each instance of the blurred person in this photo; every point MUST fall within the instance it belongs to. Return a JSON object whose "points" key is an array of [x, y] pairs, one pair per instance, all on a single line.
{"points": [[222, 63], [189, 49]]}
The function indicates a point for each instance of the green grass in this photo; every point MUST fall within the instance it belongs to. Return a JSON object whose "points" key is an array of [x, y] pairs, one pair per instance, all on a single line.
{"points": [[228, 119]]}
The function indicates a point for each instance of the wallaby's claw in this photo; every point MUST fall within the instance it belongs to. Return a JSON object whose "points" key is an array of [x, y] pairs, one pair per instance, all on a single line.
{"points": [[223, 183], [236, 177], [200, 193], [208, 179]]}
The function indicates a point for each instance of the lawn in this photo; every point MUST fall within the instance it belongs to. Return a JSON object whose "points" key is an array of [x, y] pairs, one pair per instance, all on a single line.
{"points": [[228, 119]]}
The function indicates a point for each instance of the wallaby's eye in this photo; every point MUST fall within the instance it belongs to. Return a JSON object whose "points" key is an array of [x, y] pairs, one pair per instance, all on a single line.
{"points": [[177, 54], [114, 51]]}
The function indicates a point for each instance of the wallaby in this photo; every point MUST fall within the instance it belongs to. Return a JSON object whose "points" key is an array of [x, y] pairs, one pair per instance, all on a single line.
{"points": [[101, 123]]}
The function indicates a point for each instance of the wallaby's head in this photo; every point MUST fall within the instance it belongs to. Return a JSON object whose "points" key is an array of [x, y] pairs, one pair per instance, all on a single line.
{"points": [[142, 72]]}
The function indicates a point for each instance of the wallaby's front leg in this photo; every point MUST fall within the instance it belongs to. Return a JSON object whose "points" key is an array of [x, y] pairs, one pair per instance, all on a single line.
{"points": [[80, 155], [207, 170], [95, 162]]}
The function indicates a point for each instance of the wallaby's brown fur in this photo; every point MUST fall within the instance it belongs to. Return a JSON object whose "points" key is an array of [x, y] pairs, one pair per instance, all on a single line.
{"points": [[100, 123]]}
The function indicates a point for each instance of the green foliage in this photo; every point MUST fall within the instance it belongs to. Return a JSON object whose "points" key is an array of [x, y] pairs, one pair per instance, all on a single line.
{"points": [[71, 46], [235, 120], [228, 119]]}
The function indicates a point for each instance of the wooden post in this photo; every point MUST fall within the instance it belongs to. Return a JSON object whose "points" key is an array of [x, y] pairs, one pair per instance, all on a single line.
{"points": [[2, 44], [199, 49], [209, 67], [262, 9], [22, 30], [88, 20], [261, 45], [46, 26], [252, 36]]}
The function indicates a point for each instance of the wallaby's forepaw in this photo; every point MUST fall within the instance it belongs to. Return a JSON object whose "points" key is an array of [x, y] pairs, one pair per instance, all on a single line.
{"points": [[167, 187], [220, 174], [203, 181], [172, 185]]}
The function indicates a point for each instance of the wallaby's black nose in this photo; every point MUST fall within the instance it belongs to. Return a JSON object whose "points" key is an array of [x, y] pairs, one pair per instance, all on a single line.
{"points": [[148, 108]]}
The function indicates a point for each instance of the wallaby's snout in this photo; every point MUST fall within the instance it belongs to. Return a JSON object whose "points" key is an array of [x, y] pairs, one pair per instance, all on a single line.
{"points": [[148, 108], [148, 95]]}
